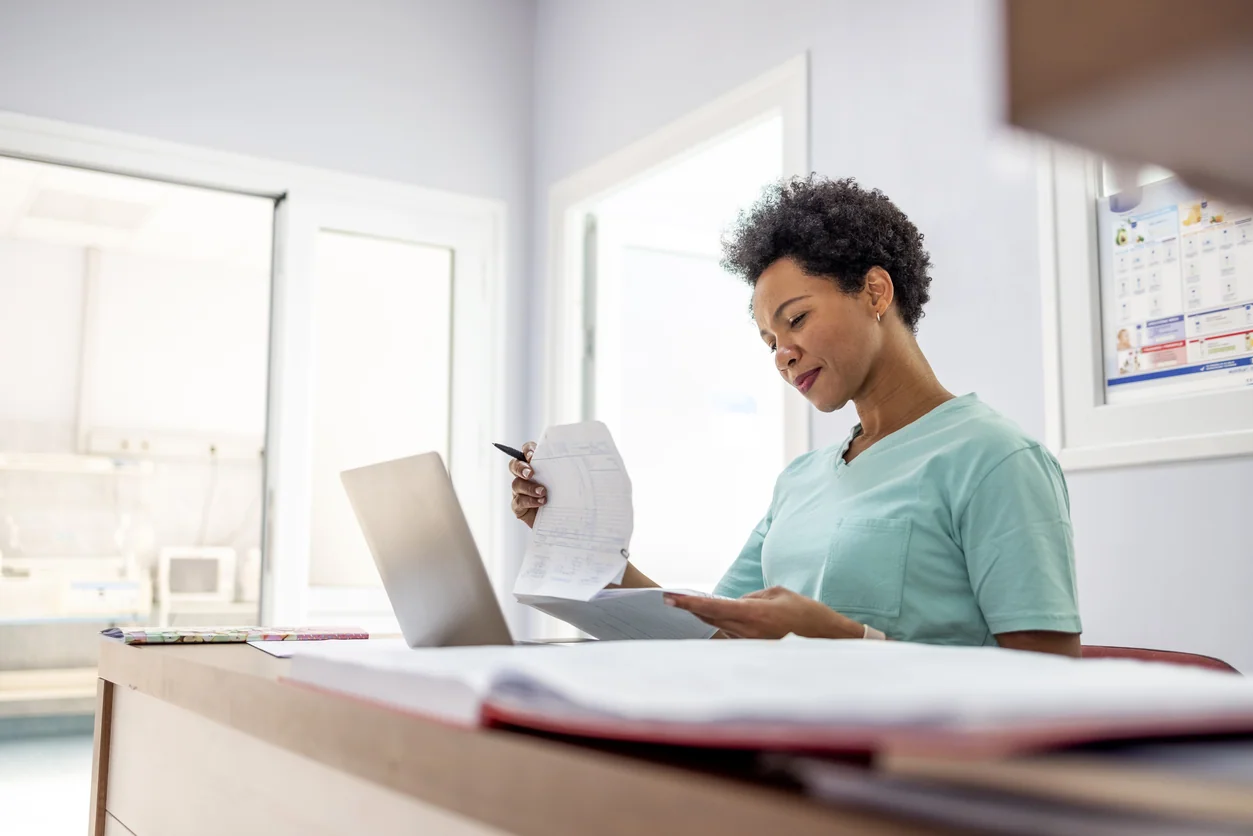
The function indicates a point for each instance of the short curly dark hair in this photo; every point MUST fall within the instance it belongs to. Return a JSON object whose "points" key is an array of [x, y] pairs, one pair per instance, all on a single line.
{"points": [[834, 229]]}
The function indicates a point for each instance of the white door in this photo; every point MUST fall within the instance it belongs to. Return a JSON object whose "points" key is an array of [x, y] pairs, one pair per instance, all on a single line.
{"points": [[391, 322], [382, 359]]}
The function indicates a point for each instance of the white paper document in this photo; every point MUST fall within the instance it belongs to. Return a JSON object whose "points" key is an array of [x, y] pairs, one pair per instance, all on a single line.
{"points": [[581, 535], [625, 614], [323, 647]]}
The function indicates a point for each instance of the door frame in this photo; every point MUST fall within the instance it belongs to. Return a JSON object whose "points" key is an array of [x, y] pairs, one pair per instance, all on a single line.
{"points": [[474, 228]]}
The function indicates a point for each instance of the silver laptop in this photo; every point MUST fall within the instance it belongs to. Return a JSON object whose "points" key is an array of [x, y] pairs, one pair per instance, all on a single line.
{"points": [[425, 553]]}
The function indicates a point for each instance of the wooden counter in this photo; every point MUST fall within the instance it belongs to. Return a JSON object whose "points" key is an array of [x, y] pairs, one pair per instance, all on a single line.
{"points": [[206, 739]]}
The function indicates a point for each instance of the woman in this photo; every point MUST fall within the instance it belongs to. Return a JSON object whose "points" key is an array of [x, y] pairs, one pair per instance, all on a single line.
{"points": [[937, 520]]}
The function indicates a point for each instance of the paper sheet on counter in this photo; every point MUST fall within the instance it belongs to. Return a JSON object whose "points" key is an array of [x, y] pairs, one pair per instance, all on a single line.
{"points": [[613, 614]]}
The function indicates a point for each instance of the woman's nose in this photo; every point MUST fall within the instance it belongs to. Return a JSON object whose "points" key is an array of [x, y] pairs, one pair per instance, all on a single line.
{"points": [[785, 356]]}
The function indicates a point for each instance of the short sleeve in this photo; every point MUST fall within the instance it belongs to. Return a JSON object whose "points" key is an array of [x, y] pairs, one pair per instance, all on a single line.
{"points": [[1019, 546], [744, 575]]}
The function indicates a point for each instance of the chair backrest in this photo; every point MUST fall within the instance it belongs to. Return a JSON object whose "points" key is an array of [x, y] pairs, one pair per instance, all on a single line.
{"points": [[1170, 657]]}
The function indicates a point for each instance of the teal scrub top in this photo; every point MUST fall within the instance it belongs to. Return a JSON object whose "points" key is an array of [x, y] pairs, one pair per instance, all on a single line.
{"points": [[947, 531]]}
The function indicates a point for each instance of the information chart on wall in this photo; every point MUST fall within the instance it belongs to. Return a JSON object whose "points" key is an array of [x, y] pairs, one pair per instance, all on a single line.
{"points": [[1176, 293]]}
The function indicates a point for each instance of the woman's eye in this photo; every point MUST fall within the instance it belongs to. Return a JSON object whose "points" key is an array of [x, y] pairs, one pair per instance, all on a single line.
{"points": [[771, 347], [797, 320]]}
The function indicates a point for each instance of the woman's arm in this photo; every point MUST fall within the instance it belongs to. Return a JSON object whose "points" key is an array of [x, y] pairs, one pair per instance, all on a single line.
{"points": [[775, 612], [1041, 641], [1016, 534], [633, 578]]}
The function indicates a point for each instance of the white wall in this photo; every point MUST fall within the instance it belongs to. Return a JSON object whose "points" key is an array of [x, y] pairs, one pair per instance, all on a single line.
{"points": [[904, 97], [429, 92], [423, 91]]}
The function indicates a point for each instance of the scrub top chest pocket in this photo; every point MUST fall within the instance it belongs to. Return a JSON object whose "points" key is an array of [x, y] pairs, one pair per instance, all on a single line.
{"points": [[865, 566]]}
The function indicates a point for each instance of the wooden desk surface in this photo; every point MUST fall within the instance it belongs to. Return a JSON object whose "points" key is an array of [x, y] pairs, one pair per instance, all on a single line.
{"points": [[515, 782]]}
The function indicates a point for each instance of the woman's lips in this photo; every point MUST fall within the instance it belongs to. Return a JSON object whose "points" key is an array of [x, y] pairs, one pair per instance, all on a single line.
{"points": [[806, 381]]}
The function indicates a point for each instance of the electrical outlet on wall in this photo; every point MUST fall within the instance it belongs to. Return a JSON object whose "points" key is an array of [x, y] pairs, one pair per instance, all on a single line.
{"points": [[193, 446]]}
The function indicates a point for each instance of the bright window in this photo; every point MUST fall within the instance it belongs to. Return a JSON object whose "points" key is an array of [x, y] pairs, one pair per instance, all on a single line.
{"points": [[680, 374]]}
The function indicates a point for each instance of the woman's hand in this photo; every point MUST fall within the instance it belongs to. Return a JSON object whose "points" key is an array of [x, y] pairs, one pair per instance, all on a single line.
{"points": [[770, 614], [528, 495]]}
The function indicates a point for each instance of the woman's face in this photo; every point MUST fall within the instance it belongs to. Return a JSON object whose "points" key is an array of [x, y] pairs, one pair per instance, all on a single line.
{"points": [[823, 339]]}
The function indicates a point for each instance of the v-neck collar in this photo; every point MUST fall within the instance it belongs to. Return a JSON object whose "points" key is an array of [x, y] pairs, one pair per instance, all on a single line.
{"points": [[896, 435]]}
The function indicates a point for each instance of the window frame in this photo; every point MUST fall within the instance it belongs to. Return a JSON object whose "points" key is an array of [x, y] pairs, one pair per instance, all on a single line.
{"points": [[1080, 428]]}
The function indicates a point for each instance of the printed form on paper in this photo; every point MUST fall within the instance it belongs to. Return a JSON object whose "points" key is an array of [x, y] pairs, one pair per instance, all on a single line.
{"points": [[581, 536]]}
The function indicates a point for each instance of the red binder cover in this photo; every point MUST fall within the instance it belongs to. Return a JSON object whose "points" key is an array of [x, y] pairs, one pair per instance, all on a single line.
{"points": [[972, 742]]}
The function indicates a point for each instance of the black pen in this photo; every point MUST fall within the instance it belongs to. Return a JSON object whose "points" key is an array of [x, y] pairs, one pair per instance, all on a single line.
{"points": [[509, 451]]}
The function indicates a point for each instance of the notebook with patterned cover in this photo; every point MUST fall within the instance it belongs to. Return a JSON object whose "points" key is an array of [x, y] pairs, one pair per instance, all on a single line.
{"points": [[212, 635]]}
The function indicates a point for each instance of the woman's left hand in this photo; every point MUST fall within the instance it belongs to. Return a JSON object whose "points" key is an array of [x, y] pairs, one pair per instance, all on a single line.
{"points": [[770, 614]]}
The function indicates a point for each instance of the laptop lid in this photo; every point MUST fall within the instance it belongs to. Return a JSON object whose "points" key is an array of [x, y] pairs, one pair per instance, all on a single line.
{"points": [[425, 553]]}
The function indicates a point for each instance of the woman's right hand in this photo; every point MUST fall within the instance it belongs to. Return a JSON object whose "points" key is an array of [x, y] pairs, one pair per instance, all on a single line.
{"points": [[528, 495]]}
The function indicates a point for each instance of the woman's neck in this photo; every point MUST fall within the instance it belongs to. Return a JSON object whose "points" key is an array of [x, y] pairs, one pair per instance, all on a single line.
{"points": [[900, 389]]}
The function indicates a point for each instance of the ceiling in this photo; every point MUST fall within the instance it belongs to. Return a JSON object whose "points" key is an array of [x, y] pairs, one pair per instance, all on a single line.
{"points": [[80, 208]]}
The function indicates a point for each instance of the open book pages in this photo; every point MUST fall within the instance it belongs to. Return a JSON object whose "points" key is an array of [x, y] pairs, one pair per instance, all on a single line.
{"points": [[803, 685]]}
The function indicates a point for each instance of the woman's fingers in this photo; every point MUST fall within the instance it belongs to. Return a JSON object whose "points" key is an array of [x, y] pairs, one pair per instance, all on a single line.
{"points": [[521, 500], [525, 515], [527, 488], [528, 496], [714, 608], [520, 469], [729, 628], [733, 617]]}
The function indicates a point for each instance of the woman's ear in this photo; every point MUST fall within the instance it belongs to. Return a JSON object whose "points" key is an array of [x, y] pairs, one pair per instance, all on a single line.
{"points": [[880, 289]]}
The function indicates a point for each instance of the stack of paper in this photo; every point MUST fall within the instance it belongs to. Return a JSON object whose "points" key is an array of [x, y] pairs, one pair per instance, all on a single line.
{"points": [[580, 542]]}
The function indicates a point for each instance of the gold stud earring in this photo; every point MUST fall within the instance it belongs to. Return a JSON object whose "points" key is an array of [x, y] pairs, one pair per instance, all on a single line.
{"points": [[878, 317]]}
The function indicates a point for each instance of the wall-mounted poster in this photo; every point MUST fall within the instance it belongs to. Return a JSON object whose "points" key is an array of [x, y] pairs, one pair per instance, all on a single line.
{"points": [[1176, 293]]}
